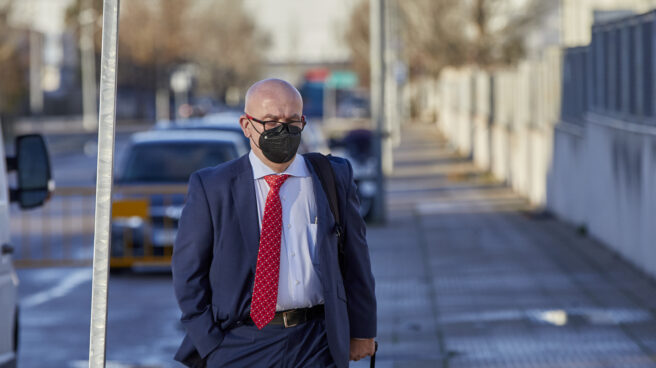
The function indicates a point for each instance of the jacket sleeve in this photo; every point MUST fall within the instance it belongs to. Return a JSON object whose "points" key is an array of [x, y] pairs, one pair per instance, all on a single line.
{"points": [[358, 279], [190, 265]]}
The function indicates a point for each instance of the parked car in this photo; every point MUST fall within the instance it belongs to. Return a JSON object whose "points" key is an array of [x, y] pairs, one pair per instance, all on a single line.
{"points": [[224, 121], [312, 139], [34, 187], [355, 146], [151, 185]]}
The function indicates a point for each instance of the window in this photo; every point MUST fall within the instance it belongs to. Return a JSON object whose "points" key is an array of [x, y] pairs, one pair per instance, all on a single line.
{"points": [[173, 162]]}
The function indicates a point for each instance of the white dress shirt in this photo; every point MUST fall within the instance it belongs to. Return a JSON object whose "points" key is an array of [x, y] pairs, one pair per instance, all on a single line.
{"points": [[298, 285]]}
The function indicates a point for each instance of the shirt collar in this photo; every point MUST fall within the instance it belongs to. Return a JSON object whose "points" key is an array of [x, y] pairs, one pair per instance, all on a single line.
{"points": [[260, 169]]}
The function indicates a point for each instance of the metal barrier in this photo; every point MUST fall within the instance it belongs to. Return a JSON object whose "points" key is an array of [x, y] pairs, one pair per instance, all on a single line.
{"points": [[615, 74], [575, 76], [61, 232]]}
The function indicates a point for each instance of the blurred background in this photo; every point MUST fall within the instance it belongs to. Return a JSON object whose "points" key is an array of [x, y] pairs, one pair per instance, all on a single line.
{"points": [[504, 152]]}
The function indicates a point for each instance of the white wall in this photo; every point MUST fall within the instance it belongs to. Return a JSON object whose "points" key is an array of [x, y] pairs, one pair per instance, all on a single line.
{"points": [[604, 177], [600, 174], [501, 118]]}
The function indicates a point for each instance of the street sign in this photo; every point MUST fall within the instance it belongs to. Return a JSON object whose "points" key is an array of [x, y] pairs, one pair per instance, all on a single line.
{"points": [[342, 79]]}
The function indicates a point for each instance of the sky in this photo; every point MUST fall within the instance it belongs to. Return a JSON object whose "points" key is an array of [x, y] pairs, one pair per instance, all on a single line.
{"points": [[46, 15], [303, 30]]}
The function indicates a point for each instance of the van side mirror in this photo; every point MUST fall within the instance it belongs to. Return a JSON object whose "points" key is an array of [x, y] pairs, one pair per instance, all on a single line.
{"points": [[32, 166]]}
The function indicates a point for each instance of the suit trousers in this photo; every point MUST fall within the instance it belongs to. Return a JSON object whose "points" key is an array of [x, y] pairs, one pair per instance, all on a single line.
{"points": [[302, 346]]}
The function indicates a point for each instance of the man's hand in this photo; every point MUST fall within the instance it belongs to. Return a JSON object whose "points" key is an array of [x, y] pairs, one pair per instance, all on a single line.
{"points": [[361, 348]]}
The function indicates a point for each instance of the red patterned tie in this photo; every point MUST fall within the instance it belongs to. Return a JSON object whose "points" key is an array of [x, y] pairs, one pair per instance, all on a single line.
{"points": [[265, 289]]}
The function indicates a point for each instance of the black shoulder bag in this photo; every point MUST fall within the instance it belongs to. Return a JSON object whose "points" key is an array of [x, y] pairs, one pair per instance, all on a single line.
{"points": [[326, 175]]}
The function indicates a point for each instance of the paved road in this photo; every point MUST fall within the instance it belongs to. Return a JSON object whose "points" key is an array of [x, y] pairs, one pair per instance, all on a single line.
{"points": [[55, 312], [467, 276], [74, 158]]}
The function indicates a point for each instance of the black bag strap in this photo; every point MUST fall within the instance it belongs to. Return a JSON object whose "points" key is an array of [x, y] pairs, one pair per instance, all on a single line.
{"points": [[326, 175]]}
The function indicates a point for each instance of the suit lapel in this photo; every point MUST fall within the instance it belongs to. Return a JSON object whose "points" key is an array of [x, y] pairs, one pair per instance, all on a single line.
{"points": [[243, 191], [326, 221]]}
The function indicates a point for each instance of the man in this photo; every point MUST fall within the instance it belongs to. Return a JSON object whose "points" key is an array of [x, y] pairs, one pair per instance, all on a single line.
{"points": [[255, 264]]}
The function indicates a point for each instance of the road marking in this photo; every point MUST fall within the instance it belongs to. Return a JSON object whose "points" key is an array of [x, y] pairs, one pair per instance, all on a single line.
{"points": [[62, 288]]}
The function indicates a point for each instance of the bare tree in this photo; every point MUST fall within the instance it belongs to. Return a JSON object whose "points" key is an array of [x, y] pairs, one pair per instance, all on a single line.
{"points": [[153, 41], [434, 34], [156, 36], [440, 33], [356, 37], [229, 48], [501, 27], [14, 60]]}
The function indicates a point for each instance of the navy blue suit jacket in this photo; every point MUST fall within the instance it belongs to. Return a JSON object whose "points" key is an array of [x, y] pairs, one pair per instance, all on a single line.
{"points": [[215, 254]]}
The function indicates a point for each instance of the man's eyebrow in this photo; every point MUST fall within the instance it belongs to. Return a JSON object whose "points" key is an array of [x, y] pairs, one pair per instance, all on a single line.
{"points": [[275, 117]]}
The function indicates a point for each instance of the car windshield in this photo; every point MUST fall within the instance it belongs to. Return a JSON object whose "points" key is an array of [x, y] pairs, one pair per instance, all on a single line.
{"points": [[173, 161]]}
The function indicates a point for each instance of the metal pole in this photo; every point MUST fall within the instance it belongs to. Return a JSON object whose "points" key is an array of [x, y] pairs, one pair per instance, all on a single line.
{"points": [[391, 87], [395, 66], [101, 241], [36, 65], [87, 20], [377, 57]]}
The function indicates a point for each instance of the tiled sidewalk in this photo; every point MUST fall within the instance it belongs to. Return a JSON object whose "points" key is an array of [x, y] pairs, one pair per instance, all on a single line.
{"points": [[467, 276]]}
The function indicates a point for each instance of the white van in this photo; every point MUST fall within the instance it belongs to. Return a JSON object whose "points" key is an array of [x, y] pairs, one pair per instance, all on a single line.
{"points": [[34, 186]]}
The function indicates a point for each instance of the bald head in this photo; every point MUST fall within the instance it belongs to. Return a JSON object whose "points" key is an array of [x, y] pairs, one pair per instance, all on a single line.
{"points": [[274, 98], [270, 99]]}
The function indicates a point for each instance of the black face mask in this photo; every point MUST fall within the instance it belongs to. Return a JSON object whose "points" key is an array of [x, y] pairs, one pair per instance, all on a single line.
{"points": [[279, 144]]}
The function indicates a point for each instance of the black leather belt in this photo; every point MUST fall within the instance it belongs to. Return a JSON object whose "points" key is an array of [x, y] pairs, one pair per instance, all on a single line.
{"points": [[293, 317]]}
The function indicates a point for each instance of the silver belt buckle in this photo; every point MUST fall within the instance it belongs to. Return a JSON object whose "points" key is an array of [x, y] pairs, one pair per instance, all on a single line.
{"points": [[284, 320]]}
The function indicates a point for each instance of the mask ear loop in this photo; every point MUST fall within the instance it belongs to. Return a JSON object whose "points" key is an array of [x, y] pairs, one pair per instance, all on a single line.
{"points": [[282, 127], [251, 138]]}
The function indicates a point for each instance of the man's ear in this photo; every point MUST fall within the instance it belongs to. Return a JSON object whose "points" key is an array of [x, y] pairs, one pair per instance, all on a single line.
{"points": [[243, 122]]}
